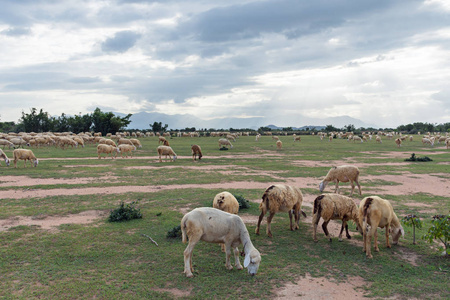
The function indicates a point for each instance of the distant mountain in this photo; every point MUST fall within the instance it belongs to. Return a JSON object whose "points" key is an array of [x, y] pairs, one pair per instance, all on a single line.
{"points": [[142, 121]]}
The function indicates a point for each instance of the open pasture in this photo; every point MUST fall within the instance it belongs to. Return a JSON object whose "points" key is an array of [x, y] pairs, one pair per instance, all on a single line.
{"points": [[56, 242]]}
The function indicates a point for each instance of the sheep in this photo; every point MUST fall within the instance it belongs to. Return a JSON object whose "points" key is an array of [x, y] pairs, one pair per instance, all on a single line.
{"points": [[19, 142], [283, 198], [378, 139], [227, 202], [107, 149], [344, 173], [376, 212], [136, 143], [274, 137], [215, 226], [124, 141], [297, 138], [196, 150], [447, 143], [6, 143], [427, 141], [279, 144], [225, 142], [25, 154], [161, 140], [398, 142], [107, 142], [357, 138], [333, 207], [258, 136], [167, 151], [3, 155], [124, 149]]}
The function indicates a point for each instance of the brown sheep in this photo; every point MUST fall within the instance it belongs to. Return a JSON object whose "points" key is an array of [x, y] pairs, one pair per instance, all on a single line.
{"points": [[344, 174], [196, 150]]}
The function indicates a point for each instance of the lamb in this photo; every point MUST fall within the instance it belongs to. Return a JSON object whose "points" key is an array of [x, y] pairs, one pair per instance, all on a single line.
{"points": [[3, 155], [398, 141], [124, 149], [333, 207], [283, 198], [215, 226], [167, 151], [196, 150], [344, 173], [377, 212], [225, 142], [279, 144], [25, 154], [107, 149]]}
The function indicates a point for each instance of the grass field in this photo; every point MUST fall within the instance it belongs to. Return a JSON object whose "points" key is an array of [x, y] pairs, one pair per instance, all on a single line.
{"points": [[102, 260]]}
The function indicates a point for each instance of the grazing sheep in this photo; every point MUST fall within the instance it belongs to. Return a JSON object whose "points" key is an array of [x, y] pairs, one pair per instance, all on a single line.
{"points": [[196, 150], [162, 140], [297, 138], [215, 226], [25, 154], [107, 149], [6, 143], [283, 198], [136, 143], [427, 141], [376, 212], [279, 144], [333, 207], [258, 136], [125, 149], [122, 141], [227, 202], [225, 142], [344, 173], [107, 142], [274, 137], [378, 139], [3, 155], [398, 141], [447, 143], [167, 151]]}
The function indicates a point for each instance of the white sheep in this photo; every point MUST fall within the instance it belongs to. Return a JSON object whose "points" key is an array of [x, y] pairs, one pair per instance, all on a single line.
{"points": [[107, 149], [398, 141], [376, 212], [25, 154], [344, 173], [258, 136], [225, 142], [136, 143], [378, 139], [125, 149], [427, 141], [124, 141], [297, 138], [3, 155], [215, 226], [5, 143], [279, 144], [166, 151], [196, 150], [283, 198], [107, 142], [333, 207]]}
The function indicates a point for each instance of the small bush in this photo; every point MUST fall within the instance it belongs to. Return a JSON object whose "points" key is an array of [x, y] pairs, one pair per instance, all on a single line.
{"points": [[412, 221], [125, 213], [174, 232], [243, 203], [414, 158], [440, 230]]}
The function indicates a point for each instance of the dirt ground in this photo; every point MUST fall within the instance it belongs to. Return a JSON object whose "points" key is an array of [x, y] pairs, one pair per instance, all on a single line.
{"points": [[304, 288]]}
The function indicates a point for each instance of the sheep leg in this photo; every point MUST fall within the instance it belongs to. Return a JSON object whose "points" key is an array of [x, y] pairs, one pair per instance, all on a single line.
{"points": [[237, 263], [359, 187], [387, 236], [227, 257], [336, 190], [290, 220], [376, 240], [269, 219], [315, 222], [353, 187], [261, 216], [368, 240], [188, 268], [346, 232], [325, 229]]}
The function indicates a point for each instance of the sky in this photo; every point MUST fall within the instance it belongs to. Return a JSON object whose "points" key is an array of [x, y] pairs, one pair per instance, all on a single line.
{"points": [[380, 61]]}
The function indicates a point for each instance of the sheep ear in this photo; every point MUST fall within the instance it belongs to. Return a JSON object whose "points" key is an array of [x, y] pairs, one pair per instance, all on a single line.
{"points": [[247, 260]]}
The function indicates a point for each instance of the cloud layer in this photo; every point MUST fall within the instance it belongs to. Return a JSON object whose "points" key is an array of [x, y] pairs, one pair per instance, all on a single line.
{"points": [[383, 62]]}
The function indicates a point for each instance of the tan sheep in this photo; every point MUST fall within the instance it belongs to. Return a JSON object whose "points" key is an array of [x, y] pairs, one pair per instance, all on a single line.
{"points": [[166, 151], [215, 226], [227, 202], [297, 138], [447, 143], [125, 149], [136, 143], [3, 155], [122, 141], [376, 212], [162, 140], [398, 141], [279, 144], [25, 154], [107, 142], [334, 207], [108, 150], [344, 173], [283, 198], [225, 142], [196, 150], [5, 143]]}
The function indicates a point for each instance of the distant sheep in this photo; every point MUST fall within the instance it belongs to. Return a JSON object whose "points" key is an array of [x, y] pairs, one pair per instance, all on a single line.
{"points": [[376, 212], [125, 149], [108, 150], [123, 141], [344, 173], [283, 198], [297, 138], [225, 142], [3, 155], [25, 154], [398, 141], [196, 150], [279, 144], [166, 151], [333, 207], [136, 143], [215, 226], [5, 143], [426, 141]]}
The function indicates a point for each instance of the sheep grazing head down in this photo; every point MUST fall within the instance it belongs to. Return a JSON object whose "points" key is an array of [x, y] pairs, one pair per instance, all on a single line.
{"points": [[174, 158], [396, 233], [7, 162], [252, 261], [322, 186], [35, 163]]}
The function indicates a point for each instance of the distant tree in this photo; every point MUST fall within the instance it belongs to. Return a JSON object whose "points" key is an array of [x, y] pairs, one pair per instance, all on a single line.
{"points": [[287, 129], [62, 124], [330, 128], [80, 123], [37, 122], [7, 126], [263, 129], [349, 127], [187, 129], [106, 122]]}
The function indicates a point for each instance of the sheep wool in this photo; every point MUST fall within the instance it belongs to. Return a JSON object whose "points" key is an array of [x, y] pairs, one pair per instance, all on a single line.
{"points": [[344, 173]]}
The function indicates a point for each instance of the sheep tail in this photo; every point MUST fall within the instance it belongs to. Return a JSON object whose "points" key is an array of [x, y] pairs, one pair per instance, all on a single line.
{"points": [[366, 208], [183, 231], [317, 208], [265, 197]]}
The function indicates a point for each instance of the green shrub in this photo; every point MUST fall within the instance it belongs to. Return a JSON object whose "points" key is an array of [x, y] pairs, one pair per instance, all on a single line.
{"points": [[125, 213], [414, 158], [174, 232], [414, 221], [243, 203], [440, 230]]}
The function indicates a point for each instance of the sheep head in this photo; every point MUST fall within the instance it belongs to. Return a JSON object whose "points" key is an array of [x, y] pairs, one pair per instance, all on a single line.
{"points": [[322, 185], [252, 261], [7, 162], [396, 232], [35, 163]]}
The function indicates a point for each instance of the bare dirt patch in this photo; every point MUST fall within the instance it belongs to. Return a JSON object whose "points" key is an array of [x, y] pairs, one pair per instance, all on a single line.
{"points": [[51, 222], [28, 181]]}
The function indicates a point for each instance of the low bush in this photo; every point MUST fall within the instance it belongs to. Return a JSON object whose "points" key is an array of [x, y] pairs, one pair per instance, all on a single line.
{"points": [[125, 213]]}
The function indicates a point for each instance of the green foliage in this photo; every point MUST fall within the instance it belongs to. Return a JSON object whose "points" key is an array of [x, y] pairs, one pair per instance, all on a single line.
{"points": [[174, 232], [243, 203], [157, 127], [108, 122], [414, 158], [440, 230], [125, 213], [412, 221]]}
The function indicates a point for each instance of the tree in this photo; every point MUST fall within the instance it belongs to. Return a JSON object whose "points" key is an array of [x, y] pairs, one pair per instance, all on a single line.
{"points": [[81, 123], [37, 122], [108, 122], [330, 128], [157, 127]]}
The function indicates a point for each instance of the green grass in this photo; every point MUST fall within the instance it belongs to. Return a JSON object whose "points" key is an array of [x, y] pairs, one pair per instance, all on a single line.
{"points": [[115, 261]]}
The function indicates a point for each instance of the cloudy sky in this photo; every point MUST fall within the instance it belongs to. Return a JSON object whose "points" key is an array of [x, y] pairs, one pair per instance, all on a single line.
{"points": [[381, 61]]}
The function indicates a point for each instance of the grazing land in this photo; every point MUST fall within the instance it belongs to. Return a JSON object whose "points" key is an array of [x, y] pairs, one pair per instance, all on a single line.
{"points": [[56, 242]]}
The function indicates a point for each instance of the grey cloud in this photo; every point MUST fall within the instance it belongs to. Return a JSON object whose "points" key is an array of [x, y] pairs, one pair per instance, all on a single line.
{"points": [[16, 31], [121, 42]]}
